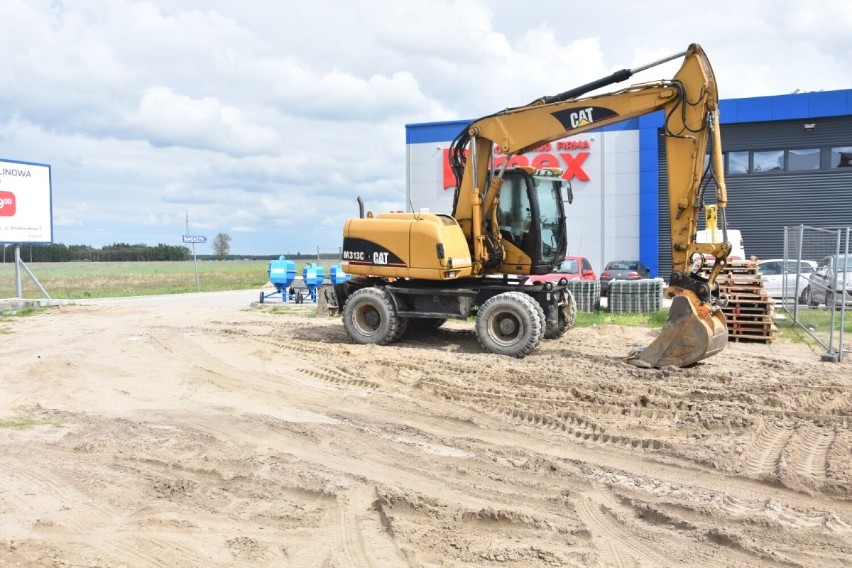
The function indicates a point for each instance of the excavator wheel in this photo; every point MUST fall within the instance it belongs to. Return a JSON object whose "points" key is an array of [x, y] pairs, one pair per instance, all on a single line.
{"points": [[369, 317], [509, 324], [401, 329], [567, 315]]}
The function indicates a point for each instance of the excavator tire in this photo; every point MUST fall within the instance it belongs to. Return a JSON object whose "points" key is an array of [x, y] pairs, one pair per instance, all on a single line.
{"points": [[369, 317], [509, 324], [401, 329], [567, 316]]}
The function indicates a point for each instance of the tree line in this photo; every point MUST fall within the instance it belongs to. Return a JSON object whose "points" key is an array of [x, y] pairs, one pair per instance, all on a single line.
{"points": [[116, 252], [124, 252]]}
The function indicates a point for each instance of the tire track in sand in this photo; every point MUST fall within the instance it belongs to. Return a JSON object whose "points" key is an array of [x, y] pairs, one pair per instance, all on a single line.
{"points": [[617, 543], [809, 453], [356, 537], [762, 457]]}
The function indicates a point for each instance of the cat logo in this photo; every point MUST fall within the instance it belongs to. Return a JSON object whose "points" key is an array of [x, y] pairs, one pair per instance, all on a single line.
{"points": [[573, 118], [582, 117]]}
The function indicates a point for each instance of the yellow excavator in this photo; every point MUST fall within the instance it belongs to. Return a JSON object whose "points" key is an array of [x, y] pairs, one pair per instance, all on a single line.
{"points": [[412, 271]]}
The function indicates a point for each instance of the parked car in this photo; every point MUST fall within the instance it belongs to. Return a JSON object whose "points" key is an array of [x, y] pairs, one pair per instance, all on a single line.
{"points": [[623, 270], [776, 275], [826, 283], [572, 268]]}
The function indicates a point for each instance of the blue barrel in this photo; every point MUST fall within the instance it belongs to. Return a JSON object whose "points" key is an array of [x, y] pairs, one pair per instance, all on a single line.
{"points": [[282, 272], [337, 275], [313, 275]]}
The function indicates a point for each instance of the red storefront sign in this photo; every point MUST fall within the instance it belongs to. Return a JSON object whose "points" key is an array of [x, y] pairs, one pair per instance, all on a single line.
{"points": [[552, 154]]}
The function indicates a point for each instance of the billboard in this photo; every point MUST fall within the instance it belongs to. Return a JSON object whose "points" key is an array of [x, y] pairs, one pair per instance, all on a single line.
{"points": [[26, 203]]}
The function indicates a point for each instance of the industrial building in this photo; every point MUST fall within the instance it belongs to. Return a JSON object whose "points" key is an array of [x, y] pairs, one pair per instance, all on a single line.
{"points": [[788, 162]]}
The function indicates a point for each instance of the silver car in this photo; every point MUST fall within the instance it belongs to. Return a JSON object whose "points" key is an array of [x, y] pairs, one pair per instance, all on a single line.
{"points": [[831, 282], [788, 279]]}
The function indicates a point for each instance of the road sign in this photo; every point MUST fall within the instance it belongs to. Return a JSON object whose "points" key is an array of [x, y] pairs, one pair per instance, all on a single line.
{"points": [[194, 239]]}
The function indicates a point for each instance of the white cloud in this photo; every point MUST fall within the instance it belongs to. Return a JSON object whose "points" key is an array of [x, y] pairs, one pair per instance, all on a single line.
{"points": [[166, 118]]}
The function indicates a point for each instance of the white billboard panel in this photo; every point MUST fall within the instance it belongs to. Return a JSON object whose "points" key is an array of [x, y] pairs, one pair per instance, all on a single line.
{"points": [[26, 203]]}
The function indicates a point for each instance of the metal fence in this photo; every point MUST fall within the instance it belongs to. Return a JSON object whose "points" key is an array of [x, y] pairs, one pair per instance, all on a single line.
{"points": [[817, 284]]}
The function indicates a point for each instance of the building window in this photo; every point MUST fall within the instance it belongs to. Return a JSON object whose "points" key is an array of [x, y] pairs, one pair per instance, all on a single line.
{"points": [[803, 159], [841, 157], [737, 162], [768, 161], [789, 159]]}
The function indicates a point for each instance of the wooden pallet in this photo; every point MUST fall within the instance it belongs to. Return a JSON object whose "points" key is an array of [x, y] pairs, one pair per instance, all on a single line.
{"points": [[749, 310]]}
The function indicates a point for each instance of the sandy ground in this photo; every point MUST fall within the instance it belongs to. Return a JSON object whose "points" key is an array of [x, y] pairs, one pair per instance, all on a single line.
{"points": [[198, 430]]}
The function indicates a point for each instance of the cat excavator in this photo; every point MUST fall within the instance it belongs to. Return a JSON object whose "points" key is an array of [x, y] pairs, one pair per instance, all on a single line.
{"points": [[411, 271]]}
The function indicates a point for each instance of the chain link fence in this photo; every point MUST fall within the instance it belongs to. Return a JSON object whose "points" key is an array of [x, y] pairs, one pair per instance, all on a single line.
{"points": [[817, 284]]}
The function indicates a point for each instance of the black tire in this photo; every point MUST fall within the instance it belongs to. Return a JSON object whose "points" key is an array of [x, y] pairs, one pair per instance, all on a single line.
{"points": [[808, 296], [261, 297], [369, 317], [567, 316], [540, 313], [401, 329], [509, 324]]}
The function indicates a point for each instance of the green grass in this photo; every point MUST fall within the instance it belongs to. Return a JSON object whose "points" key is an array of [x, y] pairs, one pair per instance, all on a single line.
{"points": [[820, 319], [79, 280], [25, 423], [602, 317], [5, 315]]}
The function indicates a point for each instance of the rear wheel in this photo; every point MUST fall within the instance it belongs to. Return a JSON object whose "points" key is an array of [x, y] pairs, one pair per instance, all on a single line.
{"points": [[401, 329], [567, 315], [369, 317], [808, 298], [509, 324]]}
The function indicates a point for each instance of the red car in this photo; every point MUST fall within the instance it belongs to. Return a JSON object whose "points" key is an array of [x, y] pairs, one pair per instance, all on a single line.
{"points": [[572, 268]]}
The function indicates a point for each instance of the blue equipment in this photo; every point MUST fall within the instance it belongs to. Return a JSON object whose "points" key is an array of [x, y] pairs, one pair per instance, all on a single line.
{"points": [[313, 276], [281, 272], [337, 275]]}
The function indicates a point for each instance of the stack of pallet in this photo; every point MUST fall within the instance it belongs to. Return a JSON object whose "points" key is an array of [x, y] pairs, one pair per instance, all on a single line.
{"points": [[749, 310]]}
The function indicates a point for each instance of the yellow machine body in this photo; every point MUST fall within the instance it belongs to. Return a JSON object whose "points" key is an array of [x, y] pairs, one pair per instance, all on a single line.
{"points": [[406, 245]]}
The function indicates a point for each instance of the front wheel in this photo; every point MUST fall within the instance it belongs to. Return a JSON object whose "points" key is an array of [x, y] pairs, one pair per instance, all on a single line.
{"points": [[808, 298], [509, 324], [369, 317]]}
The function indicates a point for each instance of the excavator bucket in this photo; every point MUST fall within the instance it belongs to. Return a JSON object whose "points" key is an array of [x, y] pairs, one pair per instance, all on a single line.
{"points": [[693, 332]]}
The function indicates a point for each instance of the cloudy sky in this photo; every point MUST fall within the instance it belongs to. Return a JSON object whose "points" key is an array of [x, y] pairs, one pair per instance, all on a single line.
{"points": [[266, 119]]}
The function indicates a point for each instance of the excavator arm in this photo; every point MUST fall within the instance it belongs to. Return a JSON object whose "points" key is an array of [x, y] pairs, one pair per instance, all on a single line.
{"points": [[696, 327]]}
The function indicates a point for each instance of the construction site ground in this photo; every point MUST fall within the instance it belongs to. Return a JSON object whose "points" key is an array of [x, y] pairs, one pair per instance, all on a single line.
{"points": [[206, 430]]}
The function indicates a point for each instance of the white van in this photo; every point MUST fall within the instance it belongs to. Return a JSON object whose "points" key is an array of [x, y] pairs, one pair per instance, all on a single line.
{"points": [[715, 236]]}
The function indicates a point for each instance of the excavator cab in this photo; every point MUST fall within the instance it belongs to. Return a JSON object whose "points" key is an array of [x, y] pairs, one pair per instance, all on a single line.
{"points": [[531, 217]]}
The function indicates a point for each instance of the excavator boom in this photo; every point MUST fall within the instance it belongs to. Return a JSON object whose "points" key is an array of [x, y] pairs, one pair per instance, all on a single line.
{"points": [[696, 328]]}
